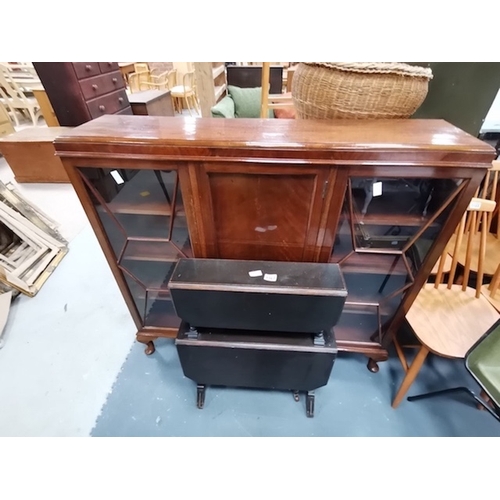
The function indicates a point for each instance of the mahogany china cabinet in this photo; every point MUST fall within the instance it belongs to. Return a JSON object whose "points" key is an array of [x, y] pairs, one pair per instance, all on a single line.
{"points": [[380, 198]]}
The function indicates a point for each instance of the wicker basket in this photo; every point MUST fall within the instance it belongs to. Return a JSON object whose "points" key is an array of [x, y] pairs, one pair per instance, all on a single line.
{"points": [[358, 90]]}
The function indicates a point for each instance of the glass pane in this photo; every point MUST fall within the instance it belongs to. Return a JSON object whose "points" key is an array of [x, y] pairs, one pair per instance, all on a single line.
{"points": [[153, 277], [152, 274], [115, 234], [180, 236], [342, 245], [126, 191], [418, 251], [160, 310], [138, 294], [387, 213], [144, 226]]}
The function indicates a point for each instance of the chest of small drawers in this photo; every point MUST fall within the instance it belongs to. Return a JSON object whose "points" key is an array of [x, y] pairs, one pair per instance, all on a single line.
{"points": [[82, 91]]}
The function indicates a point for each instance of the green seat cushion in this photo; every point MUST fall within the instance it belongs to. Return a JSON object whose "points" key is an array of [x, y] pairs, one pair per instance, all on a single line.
{"points": [[247, 102], [484, 363], [223, 109]]}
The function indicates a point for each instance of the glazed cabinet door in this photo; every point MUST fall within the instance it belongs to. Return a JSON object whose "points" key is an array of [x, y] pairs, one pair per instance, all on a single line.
{"points": [[141, 215], [255, 212], [386, 229]]}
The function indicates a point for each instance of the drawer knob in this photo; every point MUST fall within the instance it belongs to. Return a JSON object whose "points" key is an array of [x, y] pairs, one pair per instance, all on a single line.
{"points": [[88, 67], [109, 64], [114, 80], [120, 100], [101, 108], [94, 86]]}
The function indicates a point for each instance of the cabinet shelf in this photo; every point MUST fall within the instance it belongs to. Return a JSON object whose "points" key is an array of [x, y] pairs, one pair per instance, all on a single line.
{"points": [[382, 219], [219, 90], [145, 207], [372, 263], [218, 70], [162, 314], [211, 84], [356, 329], [143, 194], [153, 251]]}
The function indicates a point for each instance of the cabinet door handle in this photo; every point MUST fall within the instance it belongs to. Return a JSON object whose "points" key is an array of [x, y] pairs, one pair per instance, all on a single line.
{"points": [[94, 86], [120, 100], [114, 80], [101, 108], [88, 67]]}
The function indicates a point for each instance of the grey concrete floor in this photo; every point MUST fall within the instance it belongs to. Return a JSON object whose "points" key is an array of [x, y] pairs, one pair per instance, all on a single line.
{"points": [[63, 347]]}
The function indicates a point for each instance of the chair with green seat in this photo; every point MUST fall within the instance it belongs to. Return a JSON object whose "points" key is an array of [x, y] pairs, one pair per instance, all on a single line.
{"points": [[482, 361], [240, 103]]}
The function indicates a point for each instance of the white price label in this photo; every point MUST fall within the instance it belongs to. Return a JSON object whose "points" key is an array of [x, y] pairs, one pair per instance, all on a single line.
{"points": [[270, 277], [377, 189], [255, 274], [117, 177]]}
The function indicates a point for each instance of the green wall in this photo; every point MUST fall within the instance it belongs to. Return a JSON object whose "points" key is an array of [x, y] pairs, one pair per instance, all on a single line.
{"points": [[460, 93]]}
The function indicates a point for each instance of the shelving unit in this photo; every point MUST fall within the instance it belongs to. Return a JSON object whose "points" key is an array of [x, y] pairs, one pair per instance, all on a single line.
{"points": [[276, 190], [211, 84]]}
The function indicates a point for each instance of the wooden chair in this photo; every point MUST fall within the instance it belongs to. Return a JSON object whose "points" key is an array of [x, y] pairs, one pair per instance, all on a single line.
{"points": [[159, 82], [482, 361], [6, 126], [14, 99], [272, 101], [491, 291], [164, 81], [139, 81], [487, 191], [447, 318], [185, 92], [172, 79]]}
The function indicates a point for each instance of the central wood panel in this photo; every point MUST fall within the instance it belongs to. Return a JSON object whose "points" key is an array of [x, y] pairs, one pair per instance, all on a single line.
{"points": [[268, 217]]}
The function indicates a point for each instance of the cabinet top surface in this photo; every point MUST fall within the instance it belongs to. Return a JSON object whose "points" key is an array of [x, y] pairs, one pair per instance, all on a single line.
{"points": [[37, 134], [147, 96], [276, 133]]}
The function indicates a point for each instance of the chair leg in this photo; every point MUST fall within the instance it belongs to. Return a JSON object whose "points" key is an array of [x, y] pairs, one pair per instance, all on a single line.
{"points": [[401, 354], [186, 98], [14, 115], [196, 104], [410, 376], [434, 394], [33, 116], [466, 390]]}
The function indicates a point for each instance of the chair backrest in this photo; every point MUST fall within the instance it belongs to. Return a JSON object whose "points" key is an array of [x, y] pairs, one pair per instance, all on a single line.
{"points": [[475, 216], [489, 191], [189, 80], [139, 81], [251, 77], [139, 67], [10, 90], [483, 363], [161, 81], [6, 126], [172, 79]]}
